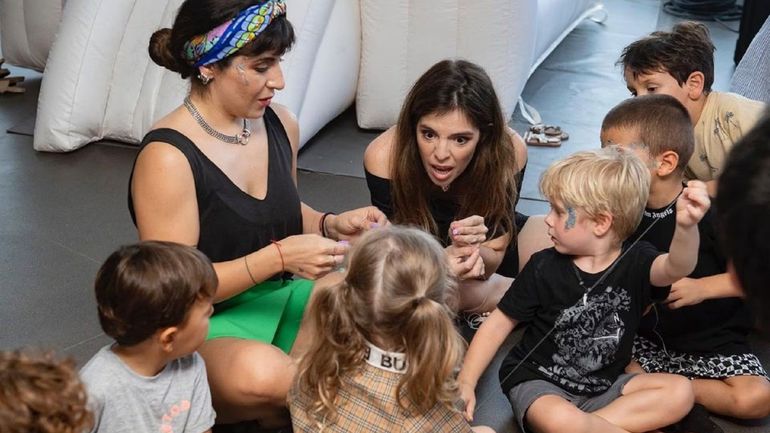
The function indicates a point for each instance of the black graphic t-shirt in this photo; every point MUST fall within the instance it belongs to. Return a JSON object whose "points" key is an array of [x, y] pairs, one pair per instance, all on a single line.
{"points": [[591, 341], [714, 326]]}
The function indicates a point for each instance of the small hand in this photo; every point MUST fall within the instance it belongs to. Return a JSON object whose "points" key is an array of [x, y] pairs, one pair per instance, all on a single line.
{"points": [[468, 396], [311, 256], [692, 204], [465, 262], [355, 222], [684, 292], [468, 231]]}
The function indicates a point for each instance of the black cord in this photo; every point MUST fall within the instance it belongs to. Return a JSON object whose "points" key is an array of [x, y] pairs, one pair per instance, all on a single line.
{"points": [[704, 10]]}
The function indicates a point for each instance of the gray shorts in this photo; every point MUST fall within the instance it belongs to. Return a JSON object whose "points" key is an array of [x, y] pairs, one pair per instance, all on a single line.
{"points": [[524, 394]]}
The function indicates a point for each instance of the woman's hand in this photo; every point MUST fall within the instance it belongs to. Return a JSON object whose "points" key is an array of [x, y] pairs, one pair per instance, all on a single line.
{"points": [[465, 262], [311, 256], [468, 231], [353, 223]]}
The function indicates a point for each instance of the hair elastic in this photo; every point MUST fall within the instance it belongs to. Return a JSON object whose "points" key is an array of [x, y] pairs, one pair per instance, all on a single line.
{"points": [[322, 224], [246, 261]]}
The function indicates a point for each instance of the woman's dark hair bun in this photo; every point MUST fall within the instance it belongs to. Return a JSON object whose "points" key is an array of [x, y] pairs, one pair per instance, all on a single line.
{"points": [[161, 52]]}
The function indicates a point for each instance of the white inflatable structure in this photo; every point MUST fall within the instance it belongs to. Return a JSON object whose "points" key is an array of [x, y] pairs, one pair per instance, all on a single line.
{"points": [[99, 81], [28, 36], [509, 38]]}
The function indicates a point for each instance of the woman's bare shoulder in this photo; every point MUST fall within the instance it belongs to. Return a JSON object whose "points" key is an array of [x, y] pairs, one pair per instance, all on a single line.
{"points": [[157, 159], [378, 154]]}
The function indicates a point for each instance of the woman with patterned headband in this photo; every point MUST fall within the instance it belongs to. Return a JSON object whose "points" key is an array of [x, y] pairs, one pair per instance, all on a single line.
{"points": [[219, 172]]}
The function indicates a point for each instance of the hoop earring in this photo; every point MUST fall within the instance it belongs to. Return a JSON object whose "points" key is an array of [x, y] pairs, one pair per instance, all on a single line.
{"points": [[204, 79]]}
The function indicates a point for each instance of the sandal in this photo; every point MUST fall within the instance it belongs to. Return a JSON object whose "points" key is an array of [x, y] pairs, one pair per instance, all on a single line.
{"points": [[549, 130], [9, 84], [541, 139]]}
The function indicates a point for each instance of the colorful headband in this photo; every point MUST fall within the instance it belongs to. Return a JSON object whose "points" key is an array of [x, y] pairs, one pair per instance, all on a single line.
{"points": [[232, 35]]}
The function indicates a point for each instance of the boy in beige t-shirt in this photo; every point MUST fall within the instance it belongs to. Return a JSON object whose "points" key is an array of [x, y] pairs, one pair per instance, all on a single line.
{"points": [[680, 63]]}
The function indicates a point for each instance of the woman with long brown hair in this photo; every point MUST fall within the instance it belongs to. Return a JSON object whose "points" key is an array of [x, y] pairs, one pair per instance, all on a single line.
{"points": [[219, 172], [452, 167]]}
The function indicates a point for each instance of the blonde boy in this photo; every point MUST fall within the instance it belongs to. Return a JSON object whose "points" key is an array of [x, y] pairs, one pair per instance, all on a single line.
{"points": [[583, 300], [702, 330]]}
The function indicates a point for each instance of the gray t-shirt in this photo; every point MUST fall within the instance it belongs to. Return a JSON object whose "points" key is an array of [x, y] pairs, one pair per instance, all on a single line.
{"points": [[175, 400]]}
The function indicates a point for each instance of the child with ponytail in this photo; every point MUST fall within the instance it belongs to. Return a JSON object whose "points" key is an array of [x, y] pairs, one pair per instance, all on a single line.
{"points": [[385, 351]]}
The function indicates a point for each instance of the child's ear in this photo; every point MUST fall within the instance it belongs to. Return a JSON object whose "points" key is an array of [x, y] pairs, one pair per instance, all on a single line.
{"points": [[167, 337], [666, 163], [602, 224], [694, 85]]}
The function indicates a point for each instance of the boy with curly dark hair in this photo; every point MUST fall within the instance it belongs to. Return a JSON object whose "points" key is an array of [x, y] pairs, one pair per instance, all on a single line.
{"points": [[680, 63], [41, 394]]}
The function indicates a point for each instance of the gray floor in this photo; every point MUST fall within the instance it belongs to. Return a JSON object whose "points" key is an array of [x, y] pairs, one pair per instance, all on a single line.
{"points": [[63, 214]]}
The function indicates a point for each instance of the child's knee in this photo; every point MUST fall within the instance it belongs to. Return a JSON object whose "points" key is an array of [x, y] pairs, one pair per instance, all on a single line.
{"points": [[678, 394], [549, 418], [752, 400]]}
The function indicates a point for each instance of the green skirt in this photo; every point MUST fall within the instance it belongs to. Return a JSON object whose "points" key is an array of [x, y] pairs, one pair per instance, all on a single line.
{"points": [[270, 312]]}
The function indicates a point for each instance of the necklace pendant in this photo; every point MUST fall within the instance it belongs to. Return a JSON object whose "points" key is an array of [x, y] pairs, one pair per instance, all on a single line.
{"points": [[445, 188], [243, 137]]}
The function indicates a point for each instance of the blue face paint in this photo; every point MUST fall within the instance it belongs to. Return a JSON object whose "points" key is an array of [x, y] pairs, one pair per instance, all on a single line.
{"points": [[571, 218]]}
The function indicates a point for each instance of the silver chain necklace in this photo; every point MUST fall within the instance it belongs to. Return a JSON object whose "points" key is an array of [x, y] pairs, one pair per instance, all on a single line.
{"points": [[242, 138]]}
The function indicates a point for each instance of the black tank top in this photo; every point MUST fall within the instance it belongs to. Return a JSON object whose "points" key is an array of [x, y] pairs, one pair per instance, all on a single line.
{"points": [[233, 223]]}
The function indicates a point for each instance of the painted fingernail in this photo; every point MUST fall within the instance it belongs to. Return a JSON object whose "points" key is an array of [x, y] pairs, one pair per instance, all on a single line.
{"points": [[343, 242], [455, 232]]}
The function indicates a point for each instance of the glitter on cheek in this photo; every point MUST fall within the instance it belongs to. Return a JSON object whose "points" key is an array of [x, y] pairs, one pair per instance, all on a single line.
{"points": [[571, 218], [242, 73]]}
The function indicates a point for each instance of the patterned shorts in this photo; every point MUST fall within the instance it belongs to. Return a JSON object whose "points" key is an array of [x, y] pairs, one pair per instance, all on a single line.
{"points": [[655, 359]]}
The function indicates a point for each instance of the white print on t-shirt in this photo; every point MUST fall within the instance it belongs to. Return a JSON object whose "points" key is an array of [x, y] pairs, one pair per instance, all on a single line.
{"points": [[666, 212], [587, 337]]}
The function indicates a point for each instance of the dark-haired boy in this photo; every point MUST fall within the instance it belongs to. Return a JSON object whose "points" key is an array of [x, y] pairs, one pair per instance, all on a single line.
{"points": [[154, 299], [680, 63], [701, 332]]}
